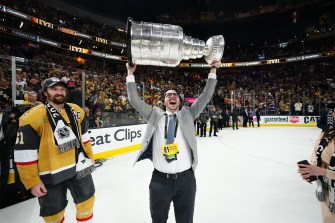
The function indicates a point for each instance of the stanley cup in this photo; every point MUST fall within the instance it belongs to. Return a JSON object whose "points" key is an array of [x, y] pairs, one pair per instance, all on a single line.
{"points": [[166, 45]]}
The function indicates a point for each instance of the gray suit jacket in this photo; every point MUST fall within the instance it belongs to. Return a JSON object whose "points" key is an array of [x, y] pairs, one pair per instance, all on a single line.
{"points": [[186, 117]]}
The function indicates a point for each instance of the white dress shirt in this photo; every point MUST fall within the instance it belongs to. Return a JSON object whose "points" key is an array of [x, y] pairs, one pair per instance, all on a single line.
{"points": [[184, 157]]}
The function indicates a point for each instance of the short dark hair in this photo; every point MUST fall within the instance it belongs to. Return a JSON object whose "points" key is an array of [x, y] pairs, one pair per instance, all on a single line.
{"points": [[180, 99]]}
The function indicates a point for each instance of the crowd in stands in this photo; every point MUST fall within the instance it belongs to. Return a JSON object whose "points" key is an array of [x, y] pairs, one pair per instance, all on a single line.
{"points": [[274, 89]]}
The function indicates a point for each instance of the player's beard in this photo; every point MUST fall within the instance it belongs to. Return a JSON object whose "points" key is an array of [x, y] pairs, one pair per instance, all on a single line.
{"points": [[57, 99]]}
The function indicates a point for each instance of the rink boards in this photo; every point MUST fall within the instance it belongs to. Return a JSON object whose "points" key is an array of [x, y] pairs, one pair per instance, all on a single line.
{"points": [[115, 141]]}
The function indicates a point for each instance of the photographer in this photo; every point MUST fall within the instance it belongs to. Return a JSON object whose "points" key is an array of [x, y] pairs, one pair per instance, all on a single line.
{"points": [[14, 191], [8, 149], [8, 129]]}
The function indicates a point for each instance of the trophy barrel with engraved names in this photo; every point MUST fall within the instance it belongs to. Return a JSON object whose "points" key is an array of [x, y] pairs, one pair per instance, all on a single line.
{"points": [[166, 45]]}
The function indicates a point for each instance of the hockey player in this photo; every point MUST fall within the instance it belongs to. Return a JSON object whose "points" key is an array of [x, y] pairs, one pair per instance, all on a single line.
{"points": [[53, 153]]}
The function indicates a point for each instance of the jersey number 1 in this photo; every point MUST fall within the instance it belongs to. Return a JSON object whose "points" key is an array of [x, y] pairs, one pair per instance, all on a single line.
{"points": [[19, 138]]}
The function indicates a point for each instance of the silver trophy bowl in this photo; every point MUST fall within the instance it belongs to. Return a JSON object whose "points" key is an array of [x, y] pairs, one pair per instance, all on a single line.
{"points": [[166, 45]]}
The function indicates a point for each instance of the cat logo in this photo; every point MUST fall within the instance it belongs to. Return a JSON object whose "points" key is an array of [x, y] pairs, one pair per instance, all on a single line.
{"points": [[311, 119], [63, 132]]}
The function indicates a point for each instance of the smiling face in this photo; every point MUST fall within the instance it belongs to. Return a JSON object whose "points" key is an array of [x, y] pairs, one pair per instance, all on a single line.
{"points": [[56, 94], [32, 96], [172, 101]]}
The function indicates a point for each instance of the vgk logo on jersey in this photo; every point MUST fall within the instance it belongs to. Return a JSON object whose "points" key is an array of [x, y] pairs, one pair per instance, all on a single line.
{"points": [[63, 132]]}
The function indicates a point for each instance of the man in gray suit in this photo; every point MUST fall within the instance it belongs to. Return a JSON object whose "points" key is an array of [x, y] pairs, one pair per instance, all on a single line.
{"points": [[174, 162]]}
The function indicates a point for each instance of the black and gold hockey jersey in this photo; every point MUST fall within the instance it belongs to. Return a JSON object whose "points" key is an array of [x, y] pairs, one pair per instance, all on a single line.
{"points": [[36, 155]]}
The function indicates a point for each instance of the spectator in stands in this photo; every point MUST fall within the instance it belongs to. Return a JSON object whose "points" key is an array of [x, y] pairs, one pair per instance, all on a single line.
{"points": [[100, 103], [20, 86], [89, 117], [298, 108], [282, 107], [76, 95], [287, 108], [32, 100], [173, 179], [5, 93], [99, 123], [48, 163], [66, 77], [272, 107], [72, 83], [34, 85], [310, 108], [123, 96]]}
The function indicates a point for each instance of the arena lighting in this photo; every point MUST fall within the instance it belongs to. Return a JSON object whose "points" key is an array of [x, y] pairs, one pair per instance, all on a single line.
{"points": [[21, 25], [122, 51], [80, 42], [80, 60], [21, 34], [47, 24]]}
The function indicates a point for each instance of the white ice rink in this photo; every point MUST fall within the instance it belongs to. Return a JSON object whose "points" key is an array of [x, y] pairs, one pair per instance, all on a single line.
{"points": [[249, 175]]}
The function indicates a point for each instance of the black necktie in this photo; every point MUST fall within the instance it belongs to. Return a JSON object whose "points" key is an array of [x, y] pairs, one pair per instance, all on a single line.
{"points": [[171, 129]]}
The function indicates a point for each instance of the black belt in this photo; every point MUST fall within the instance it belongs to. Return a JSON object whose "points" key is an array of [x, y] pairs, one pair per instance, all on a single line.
{"points": [[174, 175]]}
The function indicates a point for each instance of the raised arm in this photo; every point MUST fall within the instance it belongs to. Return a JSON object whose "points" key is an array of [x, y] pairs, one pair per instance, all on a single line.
{"points": [[138, 104], [207, 93]]}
